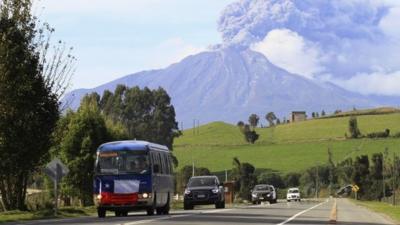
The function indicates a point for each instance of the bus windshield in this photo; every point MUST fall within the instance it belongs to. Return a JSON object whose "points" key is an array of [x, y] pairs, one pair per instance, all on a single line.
{"points": [[123, 162]]}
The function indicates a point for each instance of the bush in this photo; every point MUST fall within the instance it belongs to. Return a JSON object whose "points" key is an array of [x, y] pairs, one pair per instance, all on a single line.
{"points": [[383, 134], [292, 179], [397, 135], [272, 179]]}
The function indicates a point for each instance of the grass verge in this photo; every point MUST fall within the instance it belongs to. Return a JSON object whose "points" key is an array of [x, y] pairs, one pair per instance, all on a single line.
{"points": [[67, 212], [382, 207]]}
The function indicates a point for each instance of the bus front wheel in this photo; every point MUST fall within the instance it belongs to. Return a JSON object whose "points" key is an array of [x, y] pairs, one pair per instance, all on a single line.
{"points": [[150, 209], [101, 213]]}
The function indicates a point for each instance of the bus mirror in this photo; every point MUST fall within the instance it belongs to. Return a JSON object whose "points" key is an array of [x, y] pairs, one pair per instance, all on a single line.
{"points": [[156, 169]]}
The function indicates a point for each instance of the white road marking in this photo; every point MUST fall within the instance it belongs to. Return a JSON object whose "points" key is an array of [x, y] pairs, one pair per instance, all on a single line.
{"points": [[302, 212], [175, 216]]}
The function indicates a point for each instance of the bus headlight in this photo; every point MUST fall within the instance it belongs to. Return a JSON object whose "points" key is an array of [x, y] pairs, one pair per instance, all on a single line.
{"points": [[98, 197], [144, 195]]}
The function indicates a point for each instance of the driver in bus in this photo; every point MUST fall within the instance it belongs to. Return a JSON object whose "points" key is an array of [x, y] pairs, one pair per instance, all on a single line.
{"points": [[140, 165]]}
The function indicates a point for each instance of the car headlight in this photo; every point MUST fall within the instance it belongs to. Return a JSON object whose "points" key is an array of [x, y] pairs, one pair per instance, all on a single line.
{"points": [[215, 190], [268, 195], [187, 191], [254, 195]]}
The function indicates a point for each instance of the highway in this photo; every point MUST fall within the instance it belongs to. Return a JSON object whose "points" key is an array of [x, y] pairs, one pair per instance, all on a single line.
{"points": [[277, 214]]}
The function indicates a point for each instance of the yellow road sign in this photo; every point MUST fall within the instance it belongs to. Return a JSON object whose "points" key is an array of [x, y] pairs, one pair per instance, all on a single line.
{"points": [[355, 188]]}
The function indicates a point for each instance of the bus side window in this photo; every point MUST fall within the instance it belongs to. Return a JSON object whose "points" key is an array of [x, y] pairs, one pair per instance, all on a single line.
{"points": [[156, 160], [165, 160], [160, 162], [171, 166]]}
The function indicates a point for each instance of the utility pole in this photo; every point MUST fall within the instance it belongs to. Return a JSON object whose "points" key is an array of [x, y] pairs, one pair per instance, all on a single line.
{"points": [[226, 175], [198, 126], [394, 175], [386, 152], [194, 127], [316, 182], [192, 165]]}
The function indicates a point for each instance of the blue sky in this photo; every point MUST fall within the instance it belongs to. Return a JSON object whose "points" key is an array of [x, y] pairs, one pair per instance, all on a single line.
{"points": [[115, 38]]}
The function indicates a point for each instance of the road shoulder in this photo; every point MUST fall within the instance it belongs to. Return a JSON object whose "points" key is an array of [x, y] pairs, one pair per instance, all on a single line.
{"points": [[350, 212], [390, 212]]}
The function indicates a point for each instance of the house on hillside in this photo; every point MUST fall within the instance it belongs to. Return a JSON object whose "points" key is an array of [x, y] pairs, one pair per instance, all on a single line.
{"points": [[298, 116]]}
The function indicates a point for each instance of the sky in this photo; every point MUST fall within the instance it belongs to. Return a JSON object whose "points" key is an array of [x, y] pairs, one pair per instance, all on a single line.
{"points": [[115, 38], [352, 43]]}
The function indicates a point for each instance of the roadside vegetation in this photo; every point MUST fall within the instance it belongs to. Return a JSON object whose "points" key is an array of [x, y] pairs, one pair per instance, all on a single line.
{"points": [[382, 207], [65, 212]]}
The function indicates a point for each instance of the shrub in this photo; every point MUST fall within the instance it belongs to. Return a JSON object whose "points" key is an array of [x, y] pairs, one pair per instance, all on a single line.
{"points": [[397, 135], [383, 134], [272, 179]]}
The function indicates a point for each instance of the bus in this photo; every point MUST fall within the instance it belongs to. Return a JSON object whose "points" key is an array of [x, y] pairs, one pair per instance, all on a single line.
{"points": [[132, 176]]}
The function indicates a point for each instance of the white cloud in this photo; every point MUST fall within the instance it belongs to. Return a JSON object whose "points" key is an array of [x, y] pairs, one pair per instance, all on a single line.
{"points": [[390, 24], [375, 83], [292, 52]]}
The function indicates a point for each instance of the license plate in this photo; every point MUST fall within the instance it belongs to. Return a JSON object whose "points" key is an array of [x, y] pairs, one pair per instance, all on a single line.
{"points": [[261, 198], [201, 196]]}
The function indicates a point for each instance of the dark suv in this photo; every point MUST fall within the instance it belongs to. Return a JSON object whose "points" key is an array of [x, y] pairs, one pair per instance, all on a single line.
{"points": [[204, 190], [263, 192]]}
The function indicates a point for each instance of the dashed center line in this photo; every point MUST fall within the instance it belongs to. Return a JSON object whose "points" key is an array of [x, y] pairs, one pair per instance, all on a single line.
{"points": [[302, 212]]}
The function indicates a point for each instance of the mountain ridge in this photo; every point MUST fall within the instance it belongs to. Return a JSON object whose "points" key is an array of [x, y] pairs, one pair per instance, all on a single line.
{"points": [[229, 84]]}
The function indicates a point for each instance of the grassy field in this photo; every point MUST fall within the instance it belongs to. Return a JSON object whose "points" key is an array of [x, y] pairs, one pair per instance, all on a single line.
{"points": [[382, 207], [285, 148]]}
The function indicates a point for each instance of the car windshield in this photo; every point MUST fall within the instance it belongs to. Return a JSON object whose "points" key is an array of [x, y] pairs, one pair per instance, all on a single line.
{"points": [[203, 181], [262, 188], [123, 162], [294, 191]]}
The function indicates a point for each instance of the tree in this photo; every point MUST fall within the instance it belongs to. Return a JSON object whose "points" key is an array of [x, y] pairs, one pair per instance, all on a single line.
{"points": [[250, 136], [313, 114], [345, 171], [271, 178], [337, 111], [361, 175], [146, 114], [353, 127], [28, 105], [333, 176], [186, 173], [270, 117], [323, 113], [85, 131], [253, 120], [292, 179], [376, 175], [244, 177]]}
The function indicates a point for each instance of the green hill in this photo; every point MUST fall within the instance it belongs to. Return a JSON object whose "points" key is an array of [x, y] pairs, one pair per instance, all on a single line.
{"points": [[285, 148]]}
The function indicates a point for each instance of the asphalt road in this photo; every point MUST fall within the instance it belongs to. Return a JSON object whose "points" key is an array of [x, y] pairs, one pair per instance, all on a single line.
{"points": [[277, 214]]}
